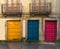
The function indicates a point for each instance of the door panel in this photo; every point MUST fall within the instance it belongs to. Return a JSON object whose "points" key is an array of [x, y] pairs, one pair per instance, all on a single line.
{"points": [[50, 30], [14, 30], [33, 30]]}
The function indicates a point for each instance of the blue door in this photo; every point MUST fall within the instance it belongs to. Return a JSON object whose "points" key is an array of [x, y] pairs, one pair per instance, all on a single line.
{"points": [[33, 30]]}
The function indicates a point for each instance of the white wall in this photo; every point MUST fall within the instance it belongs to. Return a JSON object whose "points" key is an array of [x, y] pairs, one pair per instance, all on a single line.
{"points": [[2, 29], [24, 29], [0, 6], [56, 7], [25, 4]]}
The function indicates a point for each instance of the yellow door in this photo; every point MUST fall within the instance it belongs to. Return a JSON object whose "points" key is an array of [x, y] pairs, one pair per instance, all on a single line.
{"points": [[14, 30]]}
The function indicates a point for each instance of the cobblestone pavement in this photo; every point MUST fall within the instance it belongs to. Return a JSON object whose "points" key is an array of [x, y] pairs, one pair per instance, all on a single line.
{"points": [[20, 45]]}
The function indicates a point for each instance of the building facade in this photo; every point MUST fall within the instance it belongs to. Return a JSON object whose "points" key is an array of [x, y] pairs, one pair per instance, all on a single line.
{"points": [[33, 20]]}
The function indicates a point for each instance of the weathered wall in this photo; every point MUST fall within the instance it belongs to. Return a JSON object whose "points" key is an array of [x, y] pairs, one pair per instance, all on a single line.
{"points": [[2, 29], [55, 8], [25, 4]]}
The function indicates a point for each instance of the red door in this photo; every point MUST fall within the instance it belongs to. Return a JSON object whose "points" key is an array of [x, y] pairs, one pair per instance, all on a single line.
{"points": [[50, 30]]}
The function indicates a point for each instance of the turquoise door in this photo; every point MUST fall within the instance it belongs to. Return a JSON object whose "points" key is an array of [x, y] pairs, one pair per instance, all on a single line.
{"points": [[33, 30]]}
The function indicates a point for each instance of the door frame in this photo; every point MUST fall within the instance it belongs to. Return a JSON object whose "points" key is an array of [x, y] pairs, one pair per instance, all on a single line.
{"points": [[52, 20], [7, 26], [26, 33]]}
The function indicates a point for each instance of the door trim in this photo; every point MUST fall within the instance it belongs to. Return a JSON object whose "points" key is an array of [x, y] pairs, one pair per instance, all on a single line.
{"points": [[52, 20], [40, 30]]}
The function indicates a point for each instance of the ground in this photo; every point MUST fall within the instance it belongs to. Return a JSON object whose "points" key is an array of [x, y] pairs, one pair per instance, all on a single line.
{"points": [[22, 45]]}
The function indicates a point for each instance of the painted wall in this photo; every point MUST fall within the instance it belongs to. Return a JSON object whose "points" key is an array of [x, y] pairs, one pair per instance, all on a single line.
{"points": [[2, 29], [0, 5], [56, 7], [24, 25], [25, 4]]}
